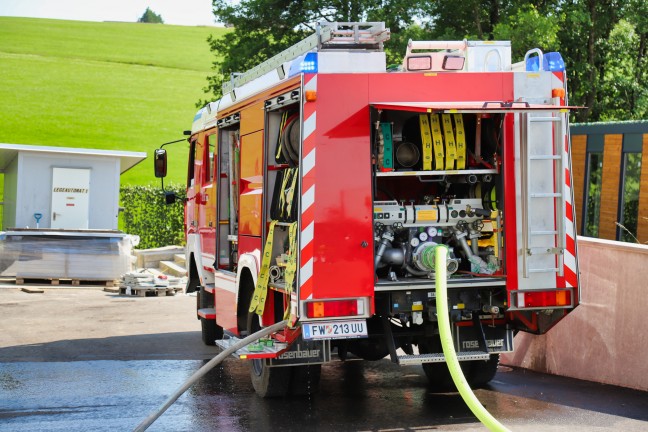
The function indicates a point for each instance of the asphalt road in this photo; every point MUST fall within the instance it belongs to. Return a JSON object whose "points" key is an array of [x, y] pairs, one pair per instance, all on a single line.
{"points": [[82, 359]]}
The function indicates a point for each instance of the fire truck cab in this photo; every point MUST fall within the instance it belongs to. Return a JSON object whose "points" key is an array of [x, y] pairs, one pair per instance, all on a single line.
{"points": [[321, 182]]}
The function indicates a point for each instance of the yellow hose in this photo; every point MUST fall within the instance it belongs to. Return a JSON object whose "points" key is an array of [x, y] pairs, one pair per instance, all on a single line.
{"points": [[441, 254]]}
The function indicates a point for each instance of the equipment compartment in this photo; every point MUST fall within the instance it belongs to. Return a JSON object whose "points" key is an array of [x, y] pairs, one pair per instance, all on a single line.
{"points": [[436, 181]]}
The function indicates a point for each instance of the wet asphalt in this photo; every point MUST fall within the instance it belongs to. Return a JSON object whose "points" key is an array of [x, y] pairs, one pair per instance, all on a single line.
{"points": [[107, 395], [87, 360]]}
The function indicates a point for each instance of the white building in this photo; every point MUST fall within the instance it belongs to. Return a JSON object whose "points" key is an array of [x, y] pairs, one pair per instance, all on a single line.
{"points": [[60, 213], [62, 188]]}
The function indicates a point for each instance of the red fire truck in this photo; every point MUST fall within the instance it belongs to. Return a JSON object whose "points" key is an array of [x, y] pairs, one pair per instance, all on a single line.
{"points": [[321, 182]]}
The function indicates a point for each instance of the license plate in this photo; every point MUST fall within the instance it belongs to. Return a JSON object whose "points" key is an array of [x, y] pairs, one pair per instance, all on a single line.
{"points": [[335, 330]]}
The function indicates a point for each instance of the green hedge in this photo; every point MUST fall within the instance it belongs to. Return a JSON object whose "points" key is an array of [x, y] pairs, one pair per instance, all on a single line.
{"points": [[147, 215]]}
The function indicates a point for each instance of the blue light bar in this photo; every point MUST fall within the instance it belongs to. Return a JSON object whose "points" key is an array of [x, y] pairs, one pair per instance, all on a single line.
{"points": [[551, 61], [304, 64]]}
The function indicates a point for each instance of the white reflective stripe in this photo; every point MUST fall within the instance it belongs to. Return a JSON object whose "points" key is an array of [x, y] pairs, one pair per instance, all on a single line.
{"points": [[308, 198], [306, 272], [312, 84], [307, 235], [569, 228], [570, 261], [308, 163], [293, 304], [309, 125], [361, 308], [225, 284]]}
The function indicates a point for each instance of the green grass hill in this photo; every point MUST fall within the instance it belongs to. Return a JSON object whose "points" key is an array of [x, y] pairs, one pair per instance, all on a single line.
{"points": [[121, 86]]}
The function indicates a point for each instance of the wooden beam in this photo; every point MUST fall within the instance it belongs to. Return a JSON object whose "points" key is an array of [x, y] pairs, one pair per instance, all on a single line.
{"points": [[579, 168], [610, 186], [642, 221]]}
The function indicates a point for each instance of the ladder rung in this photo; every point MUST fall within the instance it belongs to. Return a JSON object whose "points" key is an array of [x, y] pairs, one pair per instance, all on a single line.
{"points": [[545, 157], [543, 233], [544, 251], [544, 119], [546, 195], [546, 270]]}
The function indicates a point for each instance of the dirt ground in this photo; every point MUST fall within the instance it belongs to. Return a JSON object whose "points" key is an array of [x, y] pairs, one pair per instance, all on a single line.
{"points": [[67, 323]]}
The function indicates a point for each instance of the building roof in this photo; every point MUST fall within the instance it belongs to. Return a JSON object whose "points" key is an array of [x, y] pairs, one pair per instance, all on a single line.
{"points": [[127, 160], [612, 127]]}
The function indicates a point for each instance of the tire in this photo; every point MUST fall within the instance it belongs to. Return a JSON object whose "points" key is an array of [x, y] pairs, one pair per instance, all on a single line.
{"points": [[211, 332], [483, 371], [268, 382], [305, 379], [438, 374]]}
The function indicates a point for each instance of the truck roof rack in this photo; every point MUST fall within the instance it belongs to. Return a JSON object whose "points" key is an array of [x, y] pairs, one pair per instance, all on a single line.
{"points": [[343, 36]]}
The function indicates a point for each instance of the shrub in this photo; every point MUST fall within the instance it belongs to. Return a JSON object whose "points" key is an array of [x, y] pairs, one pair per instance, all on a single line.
{"points": [[147, 215]]}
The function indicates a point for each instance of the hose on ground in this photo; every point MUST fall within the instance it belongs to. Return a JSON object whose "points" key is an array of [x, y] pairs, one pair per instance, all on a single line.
{"points": [[206, 368], [440, 257]]}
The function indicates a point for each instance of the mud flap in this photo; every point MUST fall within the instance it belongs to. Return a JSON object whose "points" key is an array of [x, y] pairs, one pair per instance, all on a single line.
{"points": [[304, 353], [498, 339]]}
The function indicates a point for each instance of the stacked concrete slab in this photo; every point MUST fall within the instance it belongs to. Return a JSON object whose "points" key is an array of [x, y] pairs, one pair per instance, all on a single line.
{"points": [[159, 271]]}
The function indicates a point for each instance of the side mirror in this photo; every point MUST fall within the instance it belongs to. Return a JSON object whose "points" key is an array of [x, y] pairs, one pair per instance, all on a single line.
{"points": [[169, 198], [160, 162]]}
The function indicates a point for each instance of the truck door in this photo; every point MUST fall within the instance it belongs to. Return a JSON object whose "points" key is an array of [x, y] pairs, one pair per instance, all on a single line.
{"points": [[195, 158], [206, 201]]}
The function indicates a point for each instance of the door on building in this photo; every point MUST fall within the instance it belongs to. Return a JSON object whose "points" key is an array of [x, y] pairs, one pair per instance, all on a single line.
{"points": [[70, 198]]}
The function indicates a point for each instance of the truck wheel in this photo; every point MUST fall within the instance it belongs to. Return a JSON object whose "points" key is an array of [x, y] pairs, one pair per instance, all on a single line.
{"points": [[438, 374], [210, 330], [305, 379], [268, 382], [483, 371]]}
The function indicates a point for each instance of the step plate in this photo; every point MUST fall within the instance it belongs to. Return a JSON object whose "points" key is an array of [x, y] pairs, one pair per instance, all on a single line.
{"points": [[440, 358], [207, 313], [244, 353]]}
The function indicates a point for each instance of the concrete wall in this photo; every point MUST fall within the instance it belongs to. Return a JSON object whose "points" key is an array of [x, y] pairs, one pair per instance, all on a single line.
{"points": [[605, 339]]}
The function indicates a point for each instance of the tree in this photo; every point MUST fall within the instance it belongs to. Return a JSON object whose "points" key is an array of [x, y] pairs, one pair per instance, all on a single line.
{"points": [[624, 83], [604, 43], [471, 19], [150, 17], [587, 25]]}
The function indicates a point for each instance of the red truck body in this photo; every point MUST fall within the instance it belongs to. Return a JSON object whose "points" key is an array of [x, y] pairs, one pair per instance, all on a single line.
{"points": [[346, 176]]}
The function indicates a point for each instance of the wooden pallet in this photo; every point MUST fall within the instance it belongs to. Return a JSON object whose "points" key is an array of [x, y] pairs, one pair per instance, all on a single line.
{"points": [[149, 291], [59, 281]]}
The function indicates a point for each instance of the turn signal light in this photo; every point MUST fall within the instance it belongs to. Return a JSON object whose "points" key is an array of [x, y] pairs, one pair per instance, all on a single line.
{"points": [[333, 308]]}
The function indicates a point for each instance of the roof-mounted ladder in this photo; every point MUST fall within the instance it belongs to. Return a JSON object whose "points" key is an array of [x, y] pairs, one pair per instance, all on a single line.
{"points": [[365, 36]]}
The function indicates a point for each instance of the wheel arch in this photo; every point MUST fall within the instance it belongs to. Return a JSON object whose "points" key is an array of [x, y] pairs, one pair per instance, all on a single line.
{"points": [[193, 277], [248, 271]]}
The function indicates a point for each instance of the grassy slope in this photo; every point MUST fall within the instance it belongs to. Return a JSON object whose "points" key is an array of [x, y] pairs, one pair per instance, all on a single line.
{"points": [[123, 86]]}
